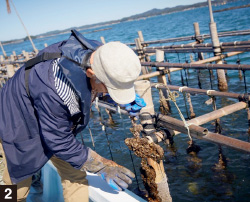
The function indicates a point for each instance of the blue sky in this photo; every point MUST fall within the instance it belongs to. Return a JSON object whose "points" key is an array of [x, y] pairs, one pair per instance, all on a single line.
{"points": [[41, 16]]}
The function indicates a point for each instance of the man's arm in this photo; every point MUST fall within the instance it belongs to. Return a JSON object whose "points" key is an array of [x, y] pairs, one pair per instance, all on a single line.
{"points": [[55, 129]]}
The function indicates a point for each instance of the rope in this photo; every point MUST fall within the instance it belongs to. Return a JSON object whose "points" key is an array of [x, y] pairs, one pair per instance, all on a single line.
{"points": [[131, 157], [210, 77], [182, 80], [185, 70], [92, 139], [103, 126], [244, 76], [217, 121], [186, 77], [184, 96], [172, 96]]}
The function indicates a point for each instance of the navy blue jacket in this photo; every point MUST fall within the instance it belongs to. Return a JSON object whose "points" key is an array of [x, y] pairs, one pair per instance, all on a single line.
{"points": [[34, 128]]}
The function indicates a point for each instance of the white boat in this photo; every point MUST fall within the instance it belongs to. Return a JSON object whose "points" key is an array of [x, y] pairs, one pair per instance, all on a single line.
{"points": [[99, 190]]}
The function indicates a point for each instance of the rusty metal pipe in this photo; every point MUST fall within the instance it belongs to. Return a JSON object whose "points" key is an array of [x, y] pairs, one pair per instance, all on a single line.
{"points": [[200, 91], [202, 133], [200, 49], [212, 59], [196, 131], [199, 37], [227, 141], [216, 114], [215, 58], [197, 66], [199, 45]]}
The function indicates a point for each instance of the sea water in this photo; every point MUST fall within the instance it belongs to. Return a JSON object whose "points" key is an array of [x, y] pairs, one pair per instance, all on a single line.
{"points": [[190, 179]]}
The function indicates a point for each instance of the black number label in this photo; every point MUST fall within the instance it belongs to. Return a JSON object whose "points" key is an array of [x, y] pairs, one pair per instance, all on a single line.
{"points": [[9, 192]]}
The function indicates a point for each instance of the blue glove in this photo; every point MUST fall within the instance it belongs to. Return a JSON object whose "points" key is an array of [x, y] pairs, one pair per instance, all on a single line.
{"points": [[135, 107], [118, 177]]}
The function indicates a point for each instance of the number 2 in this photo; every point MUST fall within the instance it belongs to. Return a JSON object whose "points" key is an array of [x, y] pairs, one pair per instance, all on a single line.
{"points": [[7, 196]]}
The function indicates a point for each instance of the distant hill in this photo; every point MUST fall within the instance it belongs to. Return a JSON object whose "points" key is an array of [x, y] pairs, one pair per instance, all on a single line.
{"points": [[150, 13], [155, 12]]}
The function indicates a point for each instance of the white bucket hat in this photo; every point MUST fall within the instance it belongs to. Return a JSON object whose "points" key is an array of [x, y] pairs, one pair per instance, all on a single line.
{"points": [[117, 67]]}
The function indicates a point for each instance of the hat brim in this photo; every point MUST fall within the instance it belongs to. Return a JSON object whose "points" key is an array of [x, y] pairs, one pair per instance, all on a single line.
{"points": [[122, 96]]}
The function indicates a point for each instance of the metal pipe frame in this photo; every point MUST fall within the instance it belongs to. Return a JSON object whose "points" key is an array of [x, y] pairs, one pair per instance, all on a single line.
{"points": [[198, 49], [202, 133], [196, 131], [199, 37], [201, 91], [197, 66], [222, 45]]}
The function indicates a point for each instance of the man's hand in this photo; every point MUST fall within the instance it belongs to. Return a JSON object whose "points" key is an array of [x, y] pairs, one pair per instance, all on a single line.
{"points": [[135, 107], [118, 177]]}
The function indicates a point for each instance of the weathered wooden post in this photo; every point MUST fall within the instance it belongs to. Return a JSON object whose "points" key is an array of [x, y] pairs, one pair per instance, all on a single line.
{"points": [[164, 104], [103, 40], [12, 58], [14, 54], [147, 57], [1, 58], [200, 55], [197, 34], [25, 55], [4, 53], [33, 45], [10, 70], [160, 58], [141, 54], [153, 173], [222, 82]]}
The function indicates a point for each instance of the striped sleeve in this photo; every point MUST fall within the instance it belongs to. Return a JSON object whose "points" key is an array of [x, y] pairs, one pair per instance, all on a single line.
{"points": [[65, 90]]}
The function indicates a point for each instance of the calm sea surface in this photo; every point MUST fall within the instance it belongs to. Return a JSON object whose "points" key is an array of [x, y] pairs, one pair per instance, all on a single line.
{"points": [[190, 179]]}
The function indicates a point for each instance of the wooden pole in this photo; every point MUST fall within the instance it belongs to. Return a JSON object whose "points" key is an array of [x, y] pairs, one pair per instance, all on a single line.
{"points": [[33, 45], [103, 40], [4, 53], [160, 58], [222, 82], [165, 106], [140, 35], [146, 56], [25, 55], [1, 58], [197, 33], [10, 70], [14, 54], [140, 54], [144, 90]]}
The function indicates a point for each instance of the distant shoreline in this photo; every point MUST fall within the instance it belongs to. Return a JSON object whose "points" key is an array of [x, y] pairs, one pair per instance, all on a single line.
{"points": [[147, 14]]}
